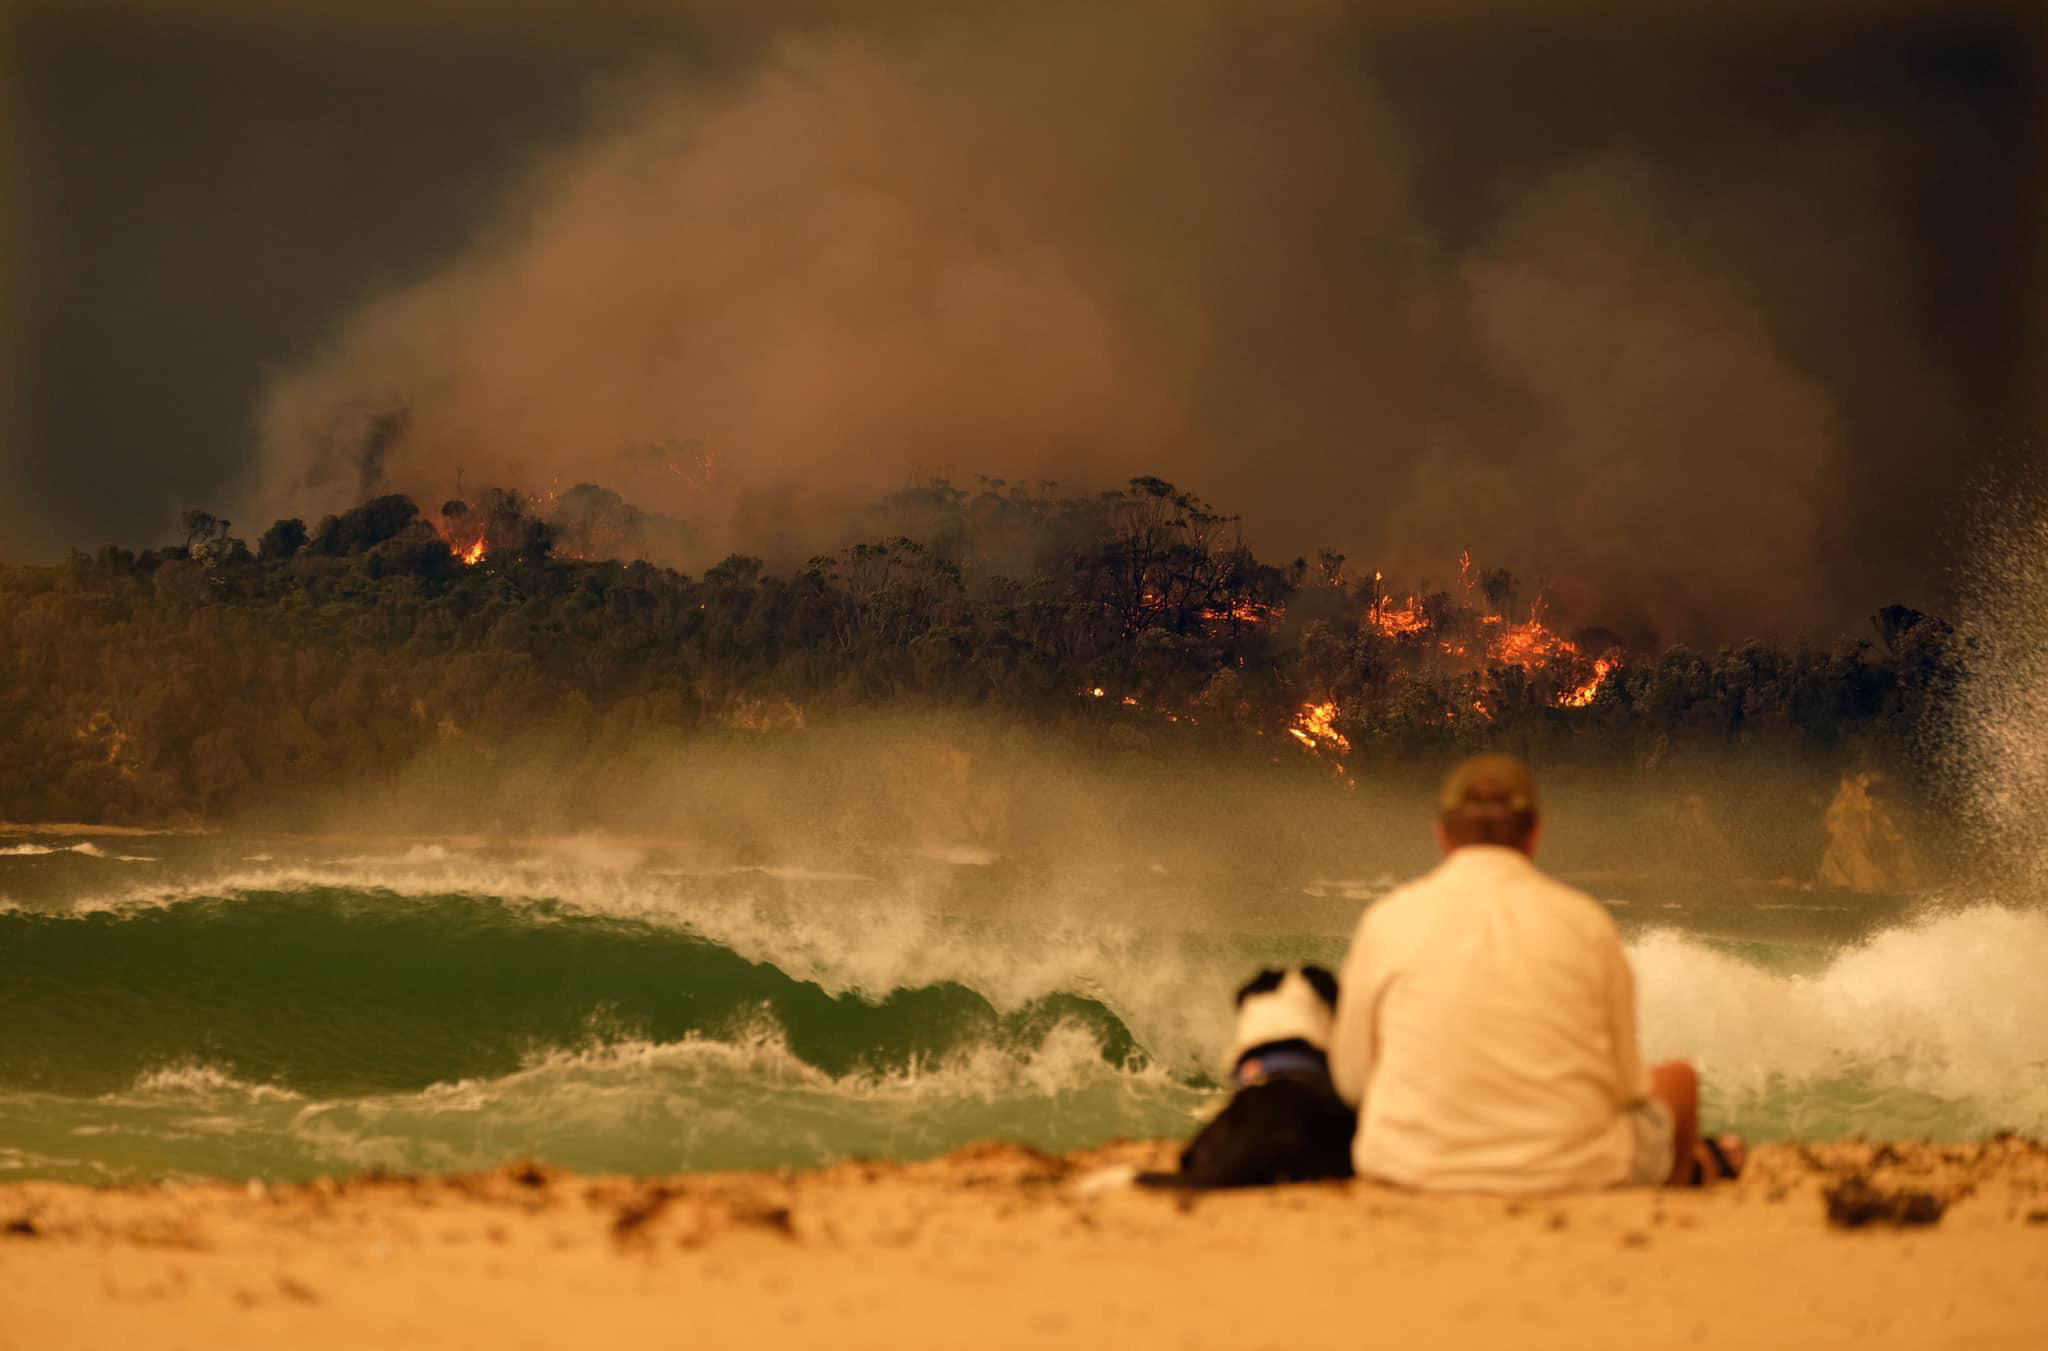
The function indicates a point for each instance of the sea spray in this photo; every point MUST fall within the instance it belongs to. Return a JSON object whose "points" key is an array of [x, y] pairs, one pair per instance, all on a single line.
{"points": [[1997, 748], [87, 849], [1938, 1027], [701, 1102], [345, 992], [333, 1007]]}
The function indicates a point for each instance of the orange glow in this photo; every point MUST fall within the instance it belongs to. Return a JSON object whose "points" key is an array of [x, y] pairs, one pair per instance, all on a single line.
{"points": [[474, 554], [1398, 621], [1530, 644], [1245, 612], [1583, 695], [1315, 727]]}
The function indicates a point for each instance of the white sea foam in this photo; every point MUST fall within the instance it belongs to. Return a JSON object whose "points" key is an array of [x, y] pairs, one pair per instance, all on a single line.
{"points": [[1952, 1006], [1947, 1005], [844, 932], [200, 1081], [702, 1102], [86, 849], [750, 1100], [416, 854]]}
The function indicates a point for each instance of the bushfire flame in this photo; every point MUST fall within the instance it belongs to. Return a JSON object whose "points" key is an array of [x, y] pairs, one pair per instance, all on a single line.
{"points": [[1470, 629], [1395, 621], [1583, 695], [1315, 727], [1245, 612], [1530, 644]]}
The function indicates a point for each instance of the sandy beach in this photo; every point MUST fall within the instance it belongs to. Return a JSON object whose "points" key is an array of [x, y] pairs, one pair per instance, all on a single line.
{"points": [[995, 1245]]}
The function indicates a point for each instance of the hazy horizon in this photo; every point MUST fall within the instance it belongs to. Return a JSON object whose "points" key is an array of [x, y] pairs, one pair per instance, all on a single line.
{"points": [[1723, 342]]}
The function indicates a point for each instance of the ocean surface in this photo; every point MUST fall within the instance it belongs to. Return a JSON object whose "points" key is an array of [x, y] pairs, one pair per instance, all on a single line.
{"points": [[244, 1007]]}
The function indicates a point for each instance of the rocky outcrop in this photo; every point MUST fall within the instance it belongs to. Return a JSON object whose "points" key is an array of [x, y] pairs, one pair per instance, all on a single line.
{"points": [[1868, 850]]}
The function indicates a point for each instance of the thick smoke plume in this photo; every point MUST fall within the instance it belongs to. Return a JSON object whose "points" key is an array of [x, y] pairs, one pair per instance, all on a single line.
{"points": [[1059, 244]]}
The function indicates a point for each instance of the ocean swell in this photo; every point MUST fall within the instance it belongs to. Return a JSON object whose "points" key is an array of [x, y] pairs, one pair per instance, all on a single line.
{"points": [[438, 1007], [333, 991], [742, 1101]]}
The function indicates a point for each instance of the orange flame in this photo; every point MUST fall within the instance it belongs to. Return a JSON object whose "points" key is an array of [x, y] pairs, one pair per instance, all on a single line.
{"points": [[1245, 612], [1583, 695], [1396, 622], [1315, 727], [1530, 644], [474, 554]]}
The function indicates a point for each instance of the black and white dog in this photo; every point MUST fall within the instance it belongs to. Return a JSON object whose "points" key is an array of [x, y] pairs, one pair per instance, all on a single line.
{"points": [[1284, 1122]]}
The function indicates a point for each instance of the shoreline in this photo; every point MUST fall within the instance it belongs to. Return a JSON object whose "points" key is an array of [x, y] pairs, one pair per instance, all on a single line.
{"points": [[999, 1244]]}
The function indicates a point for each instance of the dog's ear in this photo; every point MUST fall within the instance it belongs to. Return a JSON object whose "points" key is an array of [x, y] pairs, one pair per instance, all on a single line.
{"points": [[1325, 984], [1266, 980]]}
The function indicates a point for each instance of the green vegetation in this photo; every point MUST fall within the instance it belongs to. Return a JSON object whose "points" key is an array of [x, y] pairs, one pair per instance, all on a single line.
{"points": [[198, 681]]}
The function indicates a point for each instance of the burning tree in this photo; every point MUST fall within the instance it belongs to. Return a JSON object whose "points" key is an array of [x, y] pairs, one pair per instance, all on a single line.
{"points": [[334, 652], [1168, 562], [502, 525]]}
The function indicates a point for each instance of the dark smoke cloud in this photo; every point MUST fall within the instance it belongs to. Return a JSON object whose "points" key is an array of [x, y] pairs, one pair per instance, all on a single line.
{"points": [[1693, 391]]}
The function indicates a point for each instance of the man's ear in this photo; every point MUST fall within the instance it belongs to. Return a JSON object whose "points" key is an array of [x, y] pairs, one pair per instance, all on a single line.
{"points": [[1535, 838], [1443, 837]]}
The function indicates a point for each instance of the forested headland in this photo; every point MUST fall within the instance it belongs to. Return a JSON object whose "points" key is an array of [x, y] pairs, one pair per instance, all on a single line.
{"points": [[194, 682]]}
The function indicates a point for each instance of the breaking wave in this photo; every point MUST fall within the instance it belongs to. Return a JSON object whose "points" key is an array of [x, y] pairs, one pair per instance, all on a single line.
{"points": [[433, 1008], [86, 849], [1935, 1028], [744, 1101]]}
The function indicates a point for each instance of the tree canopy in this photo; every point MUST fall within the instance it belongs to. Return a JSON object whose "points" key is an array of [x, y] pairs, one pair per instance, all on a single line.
{"points": [[194, 681]]}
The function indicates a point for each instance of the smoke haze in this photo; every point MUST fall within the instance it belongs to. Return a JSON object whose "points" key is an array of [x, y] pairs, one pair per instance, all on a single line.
{"points": [[1697, 326]]}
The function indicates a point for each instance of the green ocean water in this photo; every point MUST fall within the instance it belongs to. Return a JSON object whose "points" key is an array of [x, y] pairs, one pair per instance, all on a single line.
{"points": [[249, 1008]]}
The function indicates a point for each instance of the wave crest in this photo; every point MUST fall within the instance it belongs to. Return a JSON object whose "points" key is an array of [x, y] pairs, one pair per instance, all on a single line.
{"points": [[747, 1100], [1914, 1031]]}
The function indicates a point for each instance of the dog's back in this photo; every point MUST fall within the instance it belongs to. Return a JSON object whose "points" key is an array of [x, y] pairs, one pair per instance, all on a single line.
{"points": [[1285, 1123], [1283, 1130]]}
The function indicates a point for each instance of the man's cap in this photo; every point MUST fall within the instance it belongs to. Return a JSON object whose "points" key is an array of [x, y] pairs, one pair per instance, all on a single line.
{"points": [[1493, 781]]}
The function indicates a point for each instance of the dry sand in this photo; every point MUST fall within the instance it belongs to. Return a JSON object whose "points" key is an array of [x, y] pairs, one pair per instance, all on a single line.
{"points": [[999, 1246]]}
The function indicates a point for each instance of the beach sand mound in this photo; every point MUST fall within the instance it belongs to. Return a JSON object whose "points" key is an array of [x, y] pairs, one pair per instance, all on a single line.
{"points": [[1000, 1245]]}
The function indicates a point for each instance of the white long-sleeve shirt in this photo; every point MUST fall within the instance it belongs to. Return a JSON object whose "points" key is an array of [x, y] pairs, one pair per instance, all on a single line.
{"points": [[1486, 1029]]}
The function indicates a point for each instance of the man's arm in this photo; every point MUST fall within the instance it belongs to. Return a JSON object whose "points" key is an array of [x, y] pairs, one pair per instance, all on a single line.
{"points": [[1352, 1041], [1631, 1075]]}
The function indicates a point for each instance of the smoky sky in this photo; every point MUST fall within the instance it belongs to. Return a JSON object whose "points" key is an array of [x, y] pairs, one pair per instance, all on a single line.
{"points": [[1707, 326]]}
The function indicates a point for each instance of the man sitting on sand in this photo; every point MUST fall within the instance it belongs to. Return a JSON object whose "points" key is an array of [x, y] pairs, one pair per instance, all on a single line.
{"points": [[1486, 1023]]}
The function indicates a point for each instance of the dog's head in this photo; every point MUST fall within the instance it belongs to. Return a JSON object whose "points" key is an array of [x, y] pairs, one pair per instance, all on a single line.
{"points": [[1297, 1004]]}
